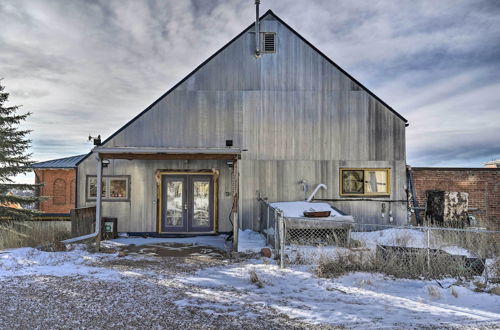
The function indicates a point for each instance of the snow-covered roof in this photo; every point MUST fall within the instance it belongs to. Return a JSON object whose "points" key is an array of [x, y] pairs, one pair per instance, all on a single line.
{"points": [[296, 209]]}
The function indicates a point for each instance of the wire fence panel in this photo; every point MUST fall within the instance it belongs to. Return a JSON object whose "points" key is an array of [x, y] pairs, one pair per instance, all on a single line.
{"points": [[269, 223], [429, 252], [402, 251]]}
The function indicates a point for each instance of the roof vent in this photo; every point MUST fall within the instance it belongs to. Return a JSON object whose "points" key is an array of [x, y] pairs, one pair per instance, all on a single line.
{"points": [[269, 42]]}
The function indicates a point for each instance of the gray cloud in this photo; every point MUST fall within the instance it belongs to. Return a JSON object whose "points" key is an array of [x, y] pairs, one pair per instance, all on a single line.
{"points": [[89, 66]]}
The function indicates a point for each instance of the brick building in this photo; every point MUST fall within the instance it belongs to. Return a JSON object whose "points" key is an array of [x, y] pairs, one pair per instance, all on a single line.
{"points": [[482, 184], [493, 164], [58, 177]]}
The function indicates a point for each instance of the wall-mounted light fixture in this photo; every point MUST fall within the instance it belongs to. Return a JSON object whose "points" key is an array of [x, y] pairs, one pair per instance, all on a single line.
{"points": [[230, 163], [105, 162]]}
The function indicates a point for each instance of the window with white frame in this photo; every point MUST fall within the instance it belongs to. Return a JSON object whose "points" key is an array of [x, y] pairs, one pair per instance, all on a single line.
{"points": [[114, 188]]}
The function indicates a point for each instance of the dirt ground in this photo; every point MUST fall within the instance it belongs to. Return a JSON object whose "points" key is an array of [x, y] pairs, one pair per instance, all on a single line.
{"points": [[145, 299]]}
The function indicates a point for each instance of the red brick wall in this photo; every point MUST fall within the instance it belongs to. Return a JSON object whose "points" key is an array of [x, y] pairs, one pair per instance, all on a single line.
{"points": [[59, 186], [482, 184]]}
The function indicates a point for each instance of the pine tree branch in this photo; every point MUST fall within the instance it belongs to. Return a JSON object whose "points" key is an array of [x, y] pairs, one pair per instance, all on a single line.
{"points": [[17, 214]]}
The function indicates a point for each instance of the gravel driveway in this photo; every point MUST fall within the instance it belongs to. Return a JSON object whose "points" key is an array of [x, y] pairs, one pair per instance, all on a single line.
{"points": [[145, 297]]}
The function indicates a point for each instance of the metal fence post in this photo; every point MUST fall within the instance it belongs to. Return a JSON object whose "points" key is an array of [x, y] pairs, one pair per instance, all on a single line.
{"points": [[276, 231], [282, 241], [428, 250]]}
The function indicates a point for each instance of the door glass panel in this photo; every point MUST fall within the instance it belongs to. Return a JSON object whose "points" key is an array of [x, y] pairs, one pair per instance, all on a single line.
{"points": [[201, 201], [174, 204]]}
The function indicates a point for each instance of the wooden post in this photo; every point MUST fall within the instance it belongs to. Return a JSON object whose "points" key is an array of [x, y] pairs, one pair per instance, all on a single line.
{"points": [[234, 210], [98, 203]]}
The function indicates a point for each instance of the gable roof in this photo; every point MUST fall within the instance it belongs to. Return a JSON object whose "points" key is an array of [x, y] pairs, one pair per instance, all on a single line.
{"points": [[66, 162], [269, 12]]}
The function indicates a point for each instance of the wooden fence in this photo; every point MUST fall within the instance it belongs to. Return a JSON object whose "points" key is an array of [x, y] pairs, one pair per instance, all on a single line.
{"points": [[82, 221]]}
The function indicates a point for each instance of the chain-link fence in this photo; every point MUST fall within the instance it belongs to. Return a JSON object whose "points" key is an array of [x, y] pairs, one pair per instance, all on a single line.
{"points": [[289, 234], [430, 252], [403, 251]]}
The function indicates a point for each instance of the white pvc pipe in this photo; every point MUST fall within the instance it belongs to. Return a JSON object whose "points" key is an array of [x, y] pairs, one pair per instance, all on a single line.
{"points": [[315, 191], [97, 207]]}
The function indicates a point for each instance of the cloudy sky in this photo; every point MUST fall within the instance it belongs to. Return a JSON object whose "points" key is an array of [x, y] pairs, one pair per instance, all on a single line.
{"points": [[87, 67]]}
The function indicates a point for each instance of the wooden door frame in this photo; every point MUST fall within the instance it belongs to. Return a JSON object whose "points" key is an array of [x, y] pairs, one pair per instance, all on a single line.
{"points": [[159, 198]]}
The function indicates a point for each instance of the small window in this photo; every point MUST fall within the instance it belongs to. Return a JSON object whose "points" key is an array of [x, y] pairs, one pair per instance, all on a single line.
{"points": [[92, 187], [365, 182], [113, 188], [269, 42], [118, 188]]}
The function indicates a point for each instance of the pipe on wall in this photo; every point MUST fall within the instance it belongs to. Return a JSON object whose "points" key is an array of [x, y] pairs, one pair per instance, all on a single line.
{"points": [[321, 185], [257, 29]]}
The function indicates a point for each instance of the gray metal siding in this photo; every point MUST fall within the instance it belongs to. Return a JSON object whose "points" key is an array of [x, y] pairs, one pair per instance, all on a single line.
{"points": [[139, 214], [278, 180], [296, 113]]}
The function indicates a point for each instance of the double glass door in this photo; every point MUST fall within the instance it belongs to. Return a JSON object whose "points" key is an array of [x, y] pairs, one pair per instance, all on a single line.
{"points": [[187, 203]]}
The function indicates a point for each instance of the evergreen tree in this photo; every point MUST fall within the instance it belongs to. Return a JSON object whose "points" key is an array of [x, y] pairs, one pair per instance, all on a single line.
{"points": [[14, 160]]}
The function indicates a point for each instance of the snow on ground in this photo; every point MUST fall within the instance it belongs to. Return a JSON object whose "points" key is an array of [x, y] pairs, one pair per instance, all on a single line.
{"points": [[356, 300], [250, 241], [392, 236], [30, 261], [302, 254], [407, 238], [218, 241]]}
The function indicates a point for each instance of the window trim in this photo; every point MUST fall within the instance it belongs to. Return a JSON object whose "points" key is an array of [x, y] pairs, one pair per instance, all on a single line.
{"points": [[107, 179], [365, 194]]}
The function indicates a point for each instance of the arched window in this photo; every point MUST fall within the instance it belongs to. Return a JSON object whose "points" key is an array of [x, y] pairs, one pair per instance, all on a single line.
{"points": [[72, 192], [59, 192]]}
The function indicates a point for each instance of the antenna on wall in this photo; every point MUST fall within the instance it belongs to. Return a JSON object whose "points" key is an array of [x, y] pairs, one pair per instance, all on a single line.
{"points": [[257, 32]]}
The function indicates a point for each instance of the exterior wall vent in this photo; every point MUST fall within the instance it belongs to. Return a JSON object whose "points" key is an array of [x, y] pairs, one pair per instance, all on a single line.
{"points": [[269, 42]]}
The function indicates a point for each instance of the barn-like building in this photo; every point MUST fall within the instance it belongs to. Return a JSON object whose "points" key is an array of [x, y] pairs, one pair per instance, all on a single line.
{"points": [[244, 125]]}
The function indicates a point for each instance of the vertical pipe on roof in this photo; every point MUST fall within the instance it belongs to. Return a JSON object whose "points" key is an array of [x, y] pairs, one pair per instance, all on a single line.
{"points": [[257, 30]]}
